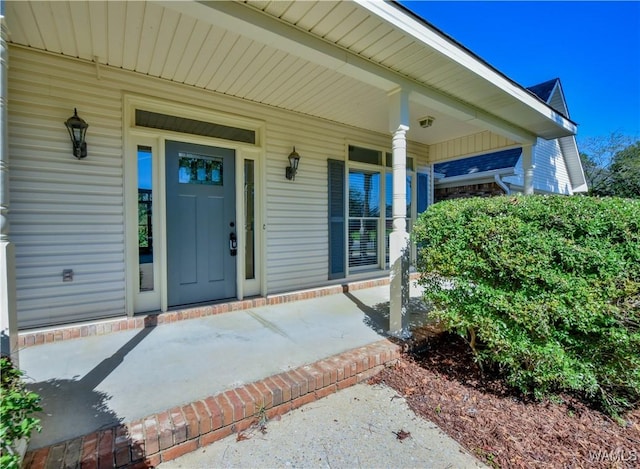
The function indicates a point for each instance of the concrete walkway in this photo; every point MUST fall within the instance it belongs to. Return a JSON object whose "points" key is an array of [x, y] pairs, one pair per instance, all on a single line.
{"points": [[95, 383], [357, 427]]}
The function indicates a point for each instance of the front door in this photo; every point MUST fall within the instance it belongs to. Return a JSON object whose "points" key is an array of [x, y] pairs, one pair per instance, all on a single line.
{"points": [[201, 231]]}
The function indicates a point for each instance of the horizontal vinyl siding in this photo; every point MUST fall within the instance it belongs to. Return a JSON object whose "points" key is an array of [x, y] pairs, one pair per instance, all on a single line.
{"points": [[64, 213], [67, 213], [297, 211]]}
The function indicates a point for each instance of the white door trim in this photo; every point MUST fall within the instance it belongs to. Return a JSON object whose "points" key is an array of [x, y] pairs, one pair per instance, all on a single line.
{"points": [[135, 300]]}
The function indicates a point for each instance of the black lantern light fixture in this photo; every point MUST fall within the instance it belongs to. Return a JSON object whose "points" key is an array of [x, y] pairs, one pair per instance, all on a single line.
{"points": [[77, 130], [292, 169]]}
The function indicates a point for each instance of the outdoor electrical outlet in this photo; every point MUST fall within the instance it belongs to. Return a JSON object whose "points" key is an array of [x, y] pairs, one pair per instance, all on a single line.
{"points": [[67, 275]]}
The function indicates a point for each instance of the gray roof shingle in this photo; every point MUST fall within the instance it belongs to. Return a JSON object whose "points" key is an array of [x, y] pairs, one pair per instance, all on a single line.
{"points": [[543, 90], [479, 164]]}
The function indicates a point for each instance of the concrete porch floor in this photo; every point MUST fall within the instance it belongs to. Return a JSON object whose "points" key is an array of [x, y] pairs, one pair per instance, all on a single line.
{"points": [[97, 382]]}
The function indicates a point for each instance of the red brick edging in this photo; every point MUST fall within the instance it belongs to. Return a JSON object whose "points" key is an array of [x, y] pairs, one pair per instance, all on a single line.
{"points": [[167, 435], [108, 326]]}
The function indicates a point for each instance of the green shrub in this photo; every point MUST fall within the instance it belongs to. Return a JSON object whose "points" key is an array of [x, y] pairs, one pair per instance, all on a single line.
{"points": [[546, 288], [16, 406]]}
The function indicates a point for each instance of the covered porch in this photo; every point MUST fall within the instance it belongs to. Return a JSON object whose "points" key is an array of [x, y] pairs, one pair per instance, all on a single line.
{"points": [[322, 77], [118, 394]]}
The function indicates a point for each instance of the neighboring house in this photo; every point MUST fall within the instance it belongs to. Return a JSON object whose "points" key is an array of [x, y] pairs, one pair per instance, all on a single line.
{"points": [[193, 109], [558, 169]]}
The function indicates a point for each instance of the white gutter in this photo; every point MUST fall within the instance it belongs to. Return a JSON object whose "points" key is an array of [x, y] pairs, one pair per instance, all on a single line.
{"points": [[502, 185]]}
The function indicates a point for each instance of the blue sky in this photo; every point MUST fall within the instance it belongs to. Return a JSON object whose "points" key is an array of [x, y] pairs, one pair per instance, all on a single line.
{"points": [[593, 47]]}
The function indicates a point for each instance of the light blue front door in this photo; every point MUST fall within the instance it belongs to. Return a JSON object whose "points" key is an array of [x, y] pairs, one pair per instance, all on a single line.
{"points": [[200, 182]]}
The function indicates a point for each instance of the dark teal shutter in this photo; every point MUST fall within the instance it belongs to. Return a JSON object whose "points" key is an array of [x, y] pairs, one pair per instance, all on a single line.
{"points": [[423, 192], [336, 219]]}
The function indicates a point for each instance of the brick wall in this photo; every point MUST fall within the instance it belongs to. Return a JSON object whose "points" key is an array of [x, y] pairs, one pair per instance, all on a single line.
{"points": [[489, 189]]}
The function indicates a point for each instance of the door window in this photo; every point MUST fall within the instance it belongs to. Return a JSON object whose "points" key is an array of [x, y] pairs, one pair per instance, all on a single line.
{"points": [[145, 212], [249, 220], [198, 169]]}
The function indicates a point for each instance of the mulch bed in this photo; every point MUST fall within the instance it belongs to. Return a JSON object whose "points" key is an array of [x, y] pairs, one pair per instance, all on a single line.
{"points": [[443, 384]]}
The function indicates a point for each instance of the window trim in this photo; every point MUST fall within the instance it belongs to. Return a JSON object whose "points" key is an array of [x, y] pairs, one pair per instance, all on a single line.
{"points": [[382, 169]]}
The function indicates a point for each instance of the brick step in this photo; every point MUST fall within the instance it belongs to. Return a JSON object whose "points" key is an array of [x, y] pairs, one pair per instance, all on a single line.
{"points": [[167, 435]]}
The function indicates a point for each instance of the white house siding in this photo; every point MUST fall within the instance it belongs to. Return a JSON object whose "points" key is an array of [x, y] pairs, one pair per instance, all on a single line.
{"points": [[296, 211], [550, 174], [64, 213], [67, 213], [470, 145]]}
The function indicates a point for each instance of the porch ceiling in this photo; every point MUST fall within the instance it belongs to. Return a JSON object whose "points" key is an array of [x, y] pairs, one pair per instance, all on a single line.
{"points": [[334, 60]]}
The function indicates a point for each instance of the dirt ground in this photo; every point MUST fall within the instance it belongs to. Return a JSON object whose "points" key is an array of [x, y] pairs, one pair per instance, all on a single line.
{"points": [[443, 384]]}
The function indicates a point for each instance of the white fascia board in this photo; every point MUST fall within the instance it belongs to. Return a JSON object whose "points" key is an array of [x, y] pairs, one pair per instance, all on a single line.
{"points": [[277, 33], [481, 175], [451, 50]]}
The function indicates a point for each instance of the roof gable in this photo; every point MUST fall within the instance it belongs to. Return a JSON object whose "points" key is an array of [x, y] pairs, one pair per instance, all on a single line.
{"points": [[551, 93], [479, 164], [544, 90]]}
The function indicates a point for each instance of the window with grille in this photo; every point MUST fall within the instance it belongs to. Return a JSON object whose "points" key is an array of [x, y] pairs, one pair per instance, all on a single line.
{"points": [[365, 180], [364, 218]]}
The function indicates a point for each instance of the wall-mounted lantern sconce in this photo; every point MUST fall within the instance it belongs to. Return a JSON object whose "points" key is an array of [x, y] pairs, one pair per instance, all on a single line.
{"points": [[77, 130], [292, 169]]}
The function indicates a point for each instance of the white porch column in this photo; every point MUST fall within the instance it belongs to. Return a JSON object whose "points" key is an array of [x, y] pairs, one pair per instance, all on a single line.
{"points": [[528, 165], [399, 238], [8, 317]]}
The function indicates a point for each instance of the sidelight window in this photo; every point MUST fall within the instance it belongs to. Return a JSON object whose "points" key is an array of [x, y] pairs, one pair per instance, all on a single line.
{"points": [[145, 212], [249, 219]]}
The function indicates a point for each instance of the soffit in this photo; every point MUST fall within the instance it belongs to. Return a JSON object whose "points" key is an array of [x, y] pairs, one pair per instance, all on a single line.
{"points": [[382, 34], [157, 40], [173, 41]]}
